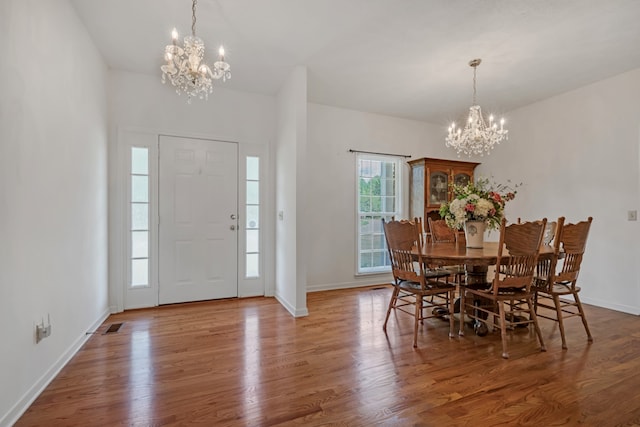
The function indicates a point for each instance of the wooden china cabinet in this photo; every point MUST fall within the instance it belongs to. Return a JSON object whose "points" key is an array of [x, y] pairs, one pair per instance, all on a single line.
{"points": [[429, 184]]}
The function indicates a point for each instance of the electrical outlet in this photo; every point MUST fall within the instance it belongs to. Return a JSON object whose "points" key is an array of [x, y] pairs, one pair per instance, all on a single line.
{"points": [[42, 330], [632, 215]]}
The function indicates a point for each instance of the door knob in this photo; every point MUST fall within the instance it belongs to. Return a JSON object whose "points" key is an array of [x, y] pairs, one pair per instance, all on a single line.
{"points": [[233, 227], [233, 216]]}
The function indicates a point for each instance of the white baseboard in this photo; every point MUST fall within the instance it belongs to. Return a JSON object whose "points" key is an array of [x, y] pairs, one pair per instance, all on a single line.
{"points": [[612, 306], [34, 391], [348, 285], [290, 308]]}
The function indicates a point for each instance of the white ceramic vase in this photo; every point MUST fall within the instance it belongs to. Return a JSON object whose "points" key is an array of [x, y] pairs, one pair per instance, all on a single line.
{"points": [[474, 233]]}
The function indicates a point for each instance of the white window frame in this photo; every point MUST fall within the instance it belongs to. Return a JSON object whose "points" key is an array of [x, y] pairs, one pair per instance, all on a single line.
{"points": [[397, 212]]}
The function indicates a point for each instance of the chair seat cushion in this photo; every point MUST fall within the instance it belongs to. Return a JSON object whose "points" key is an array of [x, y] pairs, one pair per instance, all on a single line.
{"points": [[564, 288], [431, 286], [434, 274]]}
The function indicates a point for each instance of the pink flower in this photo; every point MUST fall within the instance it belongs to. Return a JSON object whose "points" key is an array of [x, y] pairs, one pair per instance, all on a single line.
{"points": [[470, 207]]}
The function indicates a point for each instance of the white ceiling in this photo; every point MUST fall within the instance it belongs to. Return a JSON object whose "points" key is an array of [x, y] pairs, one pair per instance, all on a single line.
{"points": [[405, 58]]}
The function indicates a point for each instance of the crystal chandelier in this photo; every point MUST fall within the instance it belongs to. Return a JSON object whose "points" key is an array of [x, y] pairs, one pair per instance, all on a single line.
{"points": [[476, 137], [185, 67]]}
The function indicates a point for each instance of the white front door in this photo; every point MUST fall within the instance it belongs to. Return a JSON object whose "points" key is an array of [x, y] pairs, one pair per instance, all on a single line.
{"points": [[198, 203]]}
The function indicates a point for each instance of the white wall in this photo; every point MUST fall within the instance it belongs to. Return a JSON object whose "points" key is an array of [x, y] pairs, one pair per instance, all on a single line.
{"points": [[578, 156], [331, 171], [291, 194], [53, 193], [142, 107]]}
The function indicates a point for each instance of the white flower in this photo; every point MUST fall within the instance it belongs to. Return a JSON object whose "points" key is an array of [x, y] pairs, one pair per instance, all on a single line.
{"points": [[483, 206]]}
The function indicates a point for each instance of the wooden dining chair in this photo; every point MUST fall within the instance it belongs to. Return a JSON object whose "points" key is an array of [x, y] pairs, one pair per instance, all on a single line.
{"points": [[557, 284], [508, 300], [413, 285], [442, 233]]}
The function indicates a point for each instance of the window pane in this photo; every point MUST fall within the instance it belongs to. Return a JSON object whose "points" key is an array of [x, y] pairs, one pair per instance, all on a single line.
{"points": [[253, 265], [139, 244], [253, 217], [365, 242], [253, 241], [253, 193], [365, 187], [375, 186], [139, 272], [378, 241], [389, 170], [365, 225], [139, 188], [140, 161], [376, 204], [378, 259], [389, 204], [365, 204], [365, 168], [365, 260], [390, 187], [139, 216], [253, 168], [377, 224]]}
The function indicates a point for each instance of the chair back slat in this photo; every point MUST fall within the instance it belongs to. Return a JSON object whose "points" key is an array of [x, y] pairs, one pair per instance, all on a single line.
{"points": [[441, 232], [522, 241], [573, 242], [402, 237]]}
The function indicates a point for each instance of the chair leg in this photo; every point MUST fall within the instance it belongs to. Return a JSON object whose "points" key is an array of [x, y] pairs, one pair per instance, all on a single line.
{"points": [[584, 318], [463, 310], [452, 326], [534, 318], [503, 330], [556, 302], [418, 316], [392, 304]]}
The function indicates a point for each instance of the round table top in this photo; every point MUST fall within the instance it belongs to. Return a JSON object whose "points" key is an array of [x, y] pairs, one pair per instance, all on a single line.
{"points": [[458, 253]]}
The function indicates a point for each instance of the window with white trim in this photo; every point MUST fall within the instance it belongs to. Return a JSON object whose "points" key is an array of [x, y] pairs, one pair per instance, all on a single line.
{"points": [[378, 191]]}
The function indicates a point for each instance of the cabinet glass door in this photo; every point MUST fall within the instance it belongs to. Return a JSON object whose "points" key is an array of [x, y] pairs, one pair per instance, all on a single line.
{"points": [[417, 191], [438, 187], [461, 179]]}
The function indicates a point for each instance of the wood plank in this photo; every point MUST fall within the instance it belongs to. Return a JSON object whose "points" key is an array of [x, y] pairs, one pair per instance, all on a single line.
{"points": [[248, 362]]}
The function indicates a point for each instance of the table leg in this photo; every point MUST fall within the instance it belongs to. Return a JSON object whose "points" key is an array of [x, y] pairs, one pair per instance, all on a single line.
{"points": [[477, 276]]}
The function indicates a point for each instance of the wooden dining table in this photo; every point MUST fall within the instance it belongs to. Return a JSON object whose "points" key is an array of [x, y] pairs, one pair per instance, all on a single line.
{"points": [[476, 260], [442, 254]]}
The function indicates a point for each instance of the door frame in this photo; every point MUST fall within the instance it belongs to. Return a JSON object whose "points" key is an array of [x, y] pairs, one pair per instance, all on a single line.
{"points": [[121, 296]]}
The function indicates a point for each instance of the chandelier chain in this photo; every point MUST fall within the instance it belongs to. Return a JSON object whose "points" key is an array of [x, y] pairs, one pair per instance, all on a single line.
{"points": [[474, 85], [193, 18]]}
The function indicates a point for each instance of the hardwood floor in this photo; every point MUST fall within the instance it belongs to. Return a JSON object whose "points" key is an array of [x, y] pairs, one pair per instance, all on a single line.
{"points": [[249, 363]]}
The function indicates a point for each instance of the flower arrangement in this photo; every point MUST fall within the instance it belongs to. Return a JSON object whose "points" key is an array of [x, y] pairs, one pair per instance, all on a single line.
{"points": [[482, 201]]}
